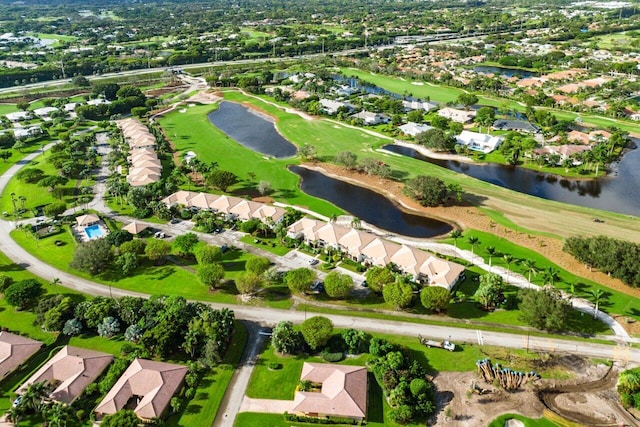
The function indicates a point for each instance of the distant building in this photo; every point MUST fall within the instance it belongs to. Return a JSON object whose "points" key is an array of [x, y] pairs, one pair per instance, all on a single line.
{"points": [[516, 125], [419, 105], [459, 116], [479, 141], [371, 119], [14, 351], [413, 129]]}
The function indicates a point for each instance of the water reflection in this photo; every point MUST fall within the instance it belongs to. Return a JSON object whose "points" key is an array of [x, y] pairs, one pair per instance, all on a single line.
{"points": [[368, 205], [252, 130], [504, 71], [620, 194]]}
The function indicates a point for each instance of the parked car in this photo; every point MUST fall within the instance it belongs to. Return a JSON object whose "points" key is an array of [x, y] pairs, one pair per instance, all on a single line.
{"points": [[174, 221], [313, 261]]}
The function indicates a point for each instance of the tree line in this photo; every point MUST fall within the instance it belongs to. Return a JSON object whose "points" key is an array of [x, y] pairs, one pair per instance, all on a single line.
{"points": [[617, 258]]}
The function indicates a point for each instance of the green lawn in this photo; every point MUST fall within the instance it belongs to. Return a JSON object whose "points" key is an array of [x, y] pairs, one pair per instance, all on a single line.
{"points": [[615, 302], [202, 409], [35, 195], [278, 249]]}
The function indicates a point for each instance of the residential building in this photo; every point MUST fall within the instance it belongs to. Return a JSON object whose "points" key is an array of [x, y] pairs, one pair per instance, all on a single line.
{"points": [[69, 372], [479, 141], [413, 129], [343, 391], [14, 351], [419, 105], [146, 387], [459, 116], [371, 119]]}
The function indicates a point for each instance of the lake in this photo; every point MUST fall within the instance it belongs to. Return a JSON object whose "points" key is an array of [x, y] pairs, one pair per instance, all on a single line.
{"points": [[251, 129], [368, 205], [618, 193]]}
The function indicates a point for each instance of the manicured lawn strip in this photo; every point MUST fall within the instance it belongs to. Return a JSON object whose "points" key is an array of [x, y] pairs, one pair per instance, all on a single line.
{"points": [[616, 302], [7, 108], [528, 422], [202, 409], [192, 131], [263, 379], [277, 250], [500, 218], [309, 308], [35, 195]]}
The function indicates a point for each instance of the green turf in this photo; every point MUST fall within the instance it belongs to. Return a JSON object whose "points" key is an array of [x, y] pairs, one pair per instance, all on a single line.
{"points": [[202, 409]]}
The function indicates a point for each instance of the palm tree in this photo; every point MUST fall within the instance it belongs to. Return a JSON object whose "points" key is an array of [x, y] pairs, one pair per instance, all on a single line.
{"points": [[356, 222], [491, 250], [597, 295], [508, 258], [455, 235], [15, 414], [473, 241], [549, 276], [530, 265], [33, 395], [56, 281], [58, 414]]}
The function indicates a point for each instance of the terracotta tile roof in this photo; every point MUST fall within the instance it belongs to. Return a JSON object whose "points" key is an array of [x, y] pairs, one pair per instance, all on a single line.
{"points": [[380, 251], [71, 370], [88, 219], [343, 392], [150, 384], [15, 350]]}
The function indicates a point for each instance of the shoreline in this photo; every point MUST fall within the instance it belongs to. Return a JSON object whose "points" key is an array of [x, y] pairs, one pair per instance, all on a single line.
{"points": [[470, 217]]}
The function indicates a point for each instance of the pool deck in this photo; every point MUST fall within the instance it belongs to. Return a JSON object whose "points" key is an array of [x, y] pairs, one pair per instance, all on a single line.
{"points": [[82, 236]]}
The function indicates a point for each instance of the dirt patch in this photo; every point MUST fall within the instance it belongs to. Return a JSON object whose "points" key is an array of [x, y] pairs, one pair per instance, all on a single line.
{"points": [[590, 394], [471, 217]]}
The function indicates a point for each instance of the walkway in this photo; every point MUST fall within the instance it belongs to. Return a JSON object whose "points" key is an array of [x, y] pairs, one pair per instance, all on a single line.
{"points": [[266, 406]]}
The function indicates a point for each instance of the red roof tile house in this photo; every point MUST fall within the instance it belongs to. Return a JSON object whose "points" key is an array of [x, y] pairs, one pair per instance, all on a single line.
{"points": [[343, 391], [14, 351], [69, 372], [146, 387]]}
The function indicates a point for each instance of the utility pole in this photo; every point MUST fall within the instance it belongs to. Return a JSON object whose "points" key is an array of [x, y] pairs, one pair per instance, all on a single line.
{"points": [[64, 76]]}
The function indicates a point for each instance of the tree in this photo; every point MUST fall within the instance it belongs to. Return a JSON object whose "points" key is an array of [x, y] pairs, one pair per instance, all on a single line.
{"points": [[23, 294], [221, 179], [257, 265], [467, 100], [93, 257], [72, 327], [485, 117], [435, 139], [30, 175], [530, 265], [57, 414], [118, 237], [489, 292], [80, 81], [52, 181], [338, 285], [427, 190], [33, 396], [157, 249], [508, 259], [347, 159], [491, 251], [23, 105], [299, 280], [435, 298], [248, 283], [473, 241], [54, 209], [185, 243], [127, 262], [211, 275], [209, 254], [19, 146], [549, 275], [316, 331], [399, 294], [455, 235], [357, 341], [308, 152], [285, 338], [109, 327], [597, 296], [135, 246], [264, 188], [5, 154], [543, 309], [378, 277], [122, 418]]}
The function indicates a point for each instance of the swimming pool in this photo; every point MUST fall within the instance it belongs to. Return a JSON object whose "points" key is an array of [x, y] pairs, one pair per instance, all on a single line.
{"points": [[94, 231]]}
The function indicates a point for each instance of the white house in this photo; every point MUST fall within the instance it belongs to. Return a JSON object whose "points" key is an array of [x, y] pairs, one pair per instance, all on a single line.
{"points": [[413, 129], [18, 116], [419, 105], [98, 101], [479, 141], [460, 116], [369, 118], [44, 111], [24, 133], [331, 106]]}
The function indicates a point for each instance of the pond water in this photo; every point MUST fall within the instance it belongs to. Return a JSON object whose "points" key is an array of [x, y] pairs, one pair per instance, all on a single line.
{"points": [[617, 193], [251, 129], [368, 205], [504, 71]]}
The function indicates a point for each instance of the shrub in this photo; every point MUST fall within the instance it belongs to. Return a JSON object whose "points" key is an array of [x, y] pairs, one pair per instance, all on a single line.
{"points": [[331, 357], [24, 293], [274, 366], [5, 282]]}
